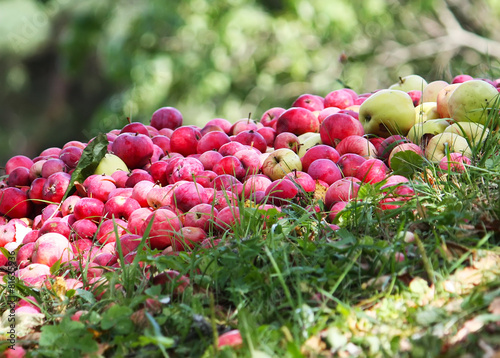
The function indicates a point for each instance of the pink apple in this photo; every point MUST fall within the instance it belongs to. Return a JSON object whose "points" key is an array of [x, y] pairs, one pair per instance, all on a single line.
{"points": [[50, 248], [298, 121], [205, 178], [320, 151], [201, 215], [211, 128], [256, 182], [326, 112], [270, 117], [340, 98], [137, 219], [209, 159], [120, 207], [250, 161], [302, 179], [157, 170], [461, 79], [165, 223], [163, 142], [336, 209], [159, 196], [188, 195], [183, 169], [454, 163], [349, 164], [309, 101], [222, 198], [405, 147], [51, 166], [135, 150], [244, 124], [212, 141], [137, 176], [269, 135], [357, 145], [100, 187], [120, 177], [55, 225], [287, 140], [14, 203], [344, 189], [222, 123], [88, 208], [281, 191], [372, 171], [338, 126], [231, 148], [326, 170], [110, 230], [188, 237], [231, 339], [17, 161], [166, 117], [19, 176], [230, 165], [253, 139], [227, 218], [83, 229], [388, 144], [416, 96], [136, 128]]}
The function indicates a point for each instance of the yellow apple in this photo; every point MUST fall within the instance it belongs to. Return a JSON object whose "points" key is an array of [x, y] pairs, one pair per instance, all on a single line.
{"points": [[426, 111], [475, 132], [309, 142], [430, 92], [281, 162], [444, 143], [430, 127], [410, 83], [387, 112], [472, 101], [110, 164]]}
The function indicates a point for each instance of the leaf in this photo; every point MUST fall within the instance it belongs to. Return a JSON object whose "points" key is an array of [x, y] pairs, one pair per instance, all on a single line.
{"points": [[407, 163], [118, 317], [91, 156]]}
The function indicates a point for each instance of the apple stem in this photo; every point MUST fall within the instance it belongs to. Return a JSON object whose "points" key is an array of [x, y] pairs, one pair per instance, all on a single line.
{"points": [[249, 117], [129, 120]]}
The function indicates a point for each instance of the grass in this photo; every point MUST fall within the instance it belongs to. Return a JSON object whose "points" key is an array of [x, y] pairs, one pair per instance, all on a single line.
{"points": [[421, 280]]}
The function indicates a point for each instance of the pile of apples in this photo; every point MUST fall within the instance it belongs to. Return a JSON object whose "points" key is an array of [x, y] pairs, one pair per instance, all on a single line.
{"points": [[182, 183]]}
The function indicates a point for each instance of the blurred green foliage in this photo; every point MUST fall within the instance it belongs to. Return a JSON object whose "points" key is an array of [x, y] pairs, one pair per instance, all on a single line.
{"points": [[70, 69]]}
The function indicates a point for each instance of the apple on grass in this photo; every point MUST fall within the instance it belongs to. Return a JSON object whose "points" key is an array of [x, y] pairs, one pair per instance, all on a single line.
{"points": [[476, 133], [442, 144], [320, 151], [372, 171], [281, 162], [473, 101], [405, 147], [420, 131], [338, 126], [387, 112], [454, 162], [442, 99], [426, 111], [358, 145]]}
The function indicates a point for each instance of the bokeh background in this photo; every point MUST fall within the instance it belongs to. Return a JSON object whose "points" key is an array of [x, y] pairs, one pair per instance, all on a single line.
{"points": [[70, 69]]}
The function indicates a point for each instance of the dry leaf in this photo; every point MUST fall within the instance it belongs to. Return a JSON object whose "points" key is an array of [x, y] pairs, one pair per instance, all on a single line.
{"points": [[469, 327], [494, 306], [313, 345]]}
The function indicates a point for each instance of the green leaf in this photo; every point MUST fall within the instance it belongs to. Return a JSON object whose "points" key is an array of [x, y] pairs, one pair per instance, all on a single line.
{"points": [[91, 156], [118, 318], [407, 163]]}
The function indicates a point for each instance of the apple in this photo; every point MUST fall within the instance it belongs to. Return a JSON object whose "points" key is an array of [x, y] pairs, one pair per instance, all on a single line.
{"points": [[50, 248], [309, 101], [454, 162], [358, 145], [416, 97], [281, 191], [344, 189], [163, 142], [227, 218], [442, 100], [461, 78], [430, 92], [349, 164], [270, 117], [18, 177], [201, 215], [269, 135], [340, 98], [17, 161], [209, 159], [212, 141], [166, 117], [442, 144], [88, 208], [221, 123], [426, 111], [325, 170], [136, 176], [231, 148], [409, 83], [136, 128], [297, 120], [338, 126], [420, 131], [135, 150], [100, 187], [56, 225], [83, 229], [388, 145], [188, 195], [184, 140], [231, 339], [253, 139], [120, 207], [307, 141], [51, 166], [287, 140], [230, 165], [70, 156], [404, 147], [320, 151], [137, 219], [372, 171], [111, 230], [302, 179], [473, 101], [476, 133], [281, 162], [387, 112]]}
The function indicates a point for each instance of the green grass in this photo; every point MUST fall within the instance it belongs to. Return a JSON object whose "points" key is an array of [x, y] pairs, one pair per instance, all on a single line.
{"points": [[295, 288]]}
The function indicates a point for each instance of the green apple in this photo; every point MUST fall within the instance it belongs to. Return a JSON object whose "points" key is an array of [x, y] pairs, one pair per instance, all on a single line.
{"points": [[472, 101], [427, 128], [281, 162], [110, 164], [409, 83], [426, 111], [444, 143], [387, 112], [475, 132], [308, 143], [430, 92]]}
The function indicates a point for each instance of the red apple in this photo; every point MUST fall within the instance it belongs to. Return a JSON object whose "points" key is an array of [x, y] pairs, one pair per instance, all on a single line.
{"points": [[357, 145], [201, 215], [344, 189], [340, 98], [281, 191], [165, 224], [166, 117], [320, 151], [270, 117], [287, 140], [349, 164], [222, 123], [298, 121], [136, 128], [17, 161], [325, 170], [309, 101], [338, 126], [209, 159], [14, 203], [269, 135], [135, 150], [372, 171], [212, 141]]}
